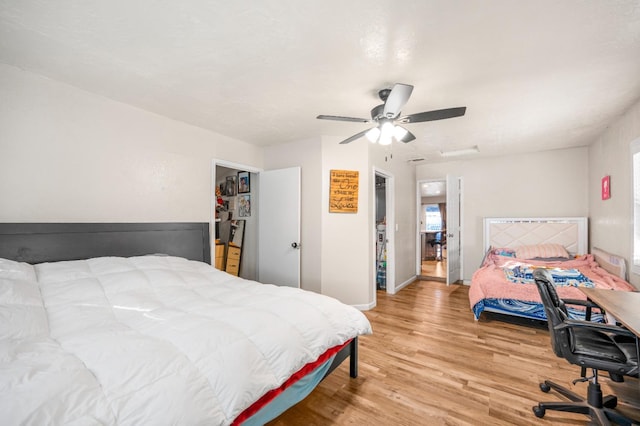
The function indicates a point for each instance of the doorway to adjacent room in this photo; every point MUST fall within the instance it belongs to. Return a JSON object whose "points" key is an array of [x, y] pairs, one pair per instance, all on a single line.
{"points": [[433, 242], [439, 253]]}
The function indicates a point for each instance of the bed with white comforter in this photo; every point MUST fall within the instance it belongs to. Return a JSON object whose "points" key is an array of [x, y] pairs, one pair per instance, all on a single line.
{"points": [[152, 340]]}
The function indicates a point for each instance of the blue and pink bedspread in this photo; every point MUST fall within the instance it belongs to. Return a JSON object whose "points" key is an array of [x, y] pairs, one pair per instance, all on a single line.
{"points": [[505, 284]]}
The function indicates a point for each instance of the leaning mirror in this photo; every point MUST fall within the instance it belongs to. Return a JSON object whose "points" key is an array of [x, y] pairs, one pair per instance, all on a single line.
{"points": [[236, 232]]}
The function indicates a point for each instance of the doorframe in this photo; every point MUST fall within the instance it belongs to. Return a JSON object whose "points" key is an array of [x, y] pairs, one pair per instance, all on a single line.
{"points": [[460, 230], [419, 212], [212, 181], [212, 202], [461, 209], [390, 231]]}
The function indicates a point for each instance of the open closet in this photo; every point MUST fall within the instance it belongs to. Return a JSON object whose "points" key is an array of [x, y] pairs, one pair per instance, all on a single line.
{"points": [[381, 232], [235, 227]]}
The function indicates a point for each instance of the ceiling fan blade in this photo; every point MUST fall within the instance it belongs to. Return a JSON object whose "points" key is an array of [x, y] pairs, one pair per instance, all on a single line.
{"points": [[339, 118], [408, 137], [397, 100], [354, 137], [439, 114]]}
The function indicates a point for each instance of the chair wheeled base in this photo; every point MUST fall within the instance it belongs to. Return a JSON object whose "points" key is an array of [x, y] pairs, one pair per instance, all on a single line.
{"points": [[599, 408]]}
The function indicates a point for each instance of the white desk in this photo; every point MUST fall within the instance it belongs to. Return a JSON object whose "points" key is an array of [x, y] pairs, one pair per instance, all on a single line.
{"points": [[624, 305]]}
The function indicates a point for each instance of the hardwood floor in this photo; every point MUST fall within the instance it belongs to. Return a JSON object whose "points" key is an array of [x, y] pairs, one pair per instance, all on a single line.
{"points": [[434, 269], [431, 268], [430, 363]]}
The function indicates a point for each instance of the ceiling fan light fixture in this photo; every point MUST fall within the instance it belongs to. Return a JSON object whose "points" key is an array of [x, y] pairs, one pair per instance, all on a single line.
{"points": [[373, 134], [384, 139], [386, 133], [386, 114], [399, 133]]}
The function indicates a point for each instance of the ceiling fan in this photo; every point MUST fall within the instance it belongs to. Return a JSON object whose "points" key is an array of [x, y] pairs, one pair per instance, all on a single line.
{"points": [[388, 113]]}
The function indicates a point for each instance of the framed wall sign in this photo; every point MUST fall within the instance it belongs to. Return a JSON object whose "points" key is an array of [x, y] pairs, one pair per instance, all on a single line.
{"points": [[343, 191]]}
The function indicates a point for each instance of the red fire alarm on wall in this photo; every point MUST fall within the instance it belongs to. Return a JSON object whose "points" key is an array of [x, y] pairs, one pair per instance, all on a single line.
{"points": [[606, 187]]}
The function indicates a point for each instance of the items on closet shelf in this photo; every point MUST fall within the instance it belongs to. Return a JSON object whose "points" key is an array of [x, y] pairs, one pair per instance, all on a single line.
{"points": [[381, 257]]}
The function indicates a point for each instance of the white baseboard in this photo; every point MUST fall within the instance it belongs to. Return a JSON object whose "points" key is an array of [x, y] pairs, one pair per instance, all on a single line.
{"points": [[406, 283], [367, 307]]}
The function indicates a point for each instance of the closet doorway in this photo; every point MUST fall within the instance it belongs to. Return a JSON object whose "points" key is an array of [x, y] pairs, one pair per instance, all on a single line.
{"points": [[384, 233], [234, 224], [252, 204]]}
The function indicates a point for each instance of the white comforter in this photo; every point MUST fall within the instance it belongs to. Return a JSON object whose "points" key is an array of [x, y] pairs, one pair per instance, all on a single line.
{"points": [[152, 340]]}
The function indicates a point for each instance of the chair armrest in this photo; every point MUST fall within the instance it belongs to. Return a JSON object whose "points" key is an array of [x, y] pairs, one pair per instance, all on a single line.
{"points": [[586, 303], [579, 302], [609, 328]]}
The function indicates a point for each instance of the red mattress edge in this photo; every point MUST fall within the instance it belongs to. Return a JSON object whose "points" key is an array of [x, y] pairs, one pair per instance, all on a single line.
{"points": [[273, 393]]}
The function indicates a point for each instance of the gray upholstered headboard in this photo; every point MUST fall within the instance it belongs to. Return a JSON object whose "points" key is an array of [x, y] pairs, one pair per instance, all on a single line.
{"points": [[50, 242]]}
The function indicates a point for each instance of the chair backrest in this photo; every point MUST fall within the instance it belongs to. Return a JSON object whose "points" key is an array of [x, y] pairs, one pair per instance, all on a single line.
{"points": [[555, 310], [586, 346]]}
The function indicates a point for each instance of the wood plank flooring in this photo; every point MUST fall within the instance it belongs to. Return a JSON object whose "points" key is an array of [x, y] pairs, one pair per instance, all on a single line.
{"points": [[430, 363], [434, 269]]}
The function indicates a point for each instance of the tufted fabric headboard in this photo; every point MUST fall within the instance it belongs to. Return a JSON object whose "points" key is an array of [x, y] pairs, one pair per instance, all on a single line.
{"points": [[571, 232]]}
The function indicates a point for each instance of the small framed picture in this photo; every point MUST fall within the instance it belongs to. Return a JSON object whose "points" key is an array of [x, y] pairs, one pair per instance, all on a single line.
{"points": [[230, 186], [243, 183], [244, 205]]}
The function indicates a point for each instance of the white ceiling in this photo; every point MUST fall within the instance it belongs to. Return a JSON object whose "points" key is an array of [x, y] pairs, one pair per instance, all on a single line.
{"points": [[534, 75], [433, 189]]}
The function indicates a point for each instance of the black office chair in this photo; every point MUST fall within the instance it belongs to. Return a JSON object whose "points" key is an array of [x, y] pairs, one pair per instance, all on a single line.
{"points": [[590, 345], [438, 243]]}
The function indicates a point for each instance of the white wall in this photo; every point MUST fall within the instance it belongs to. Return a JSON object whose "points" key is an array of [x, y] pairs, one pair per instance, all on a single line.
{"points": [[434, 200], [338, 252], [550, 183], [307, 155], [67, 155], [346, 238], [70, 156], [611, 221]]}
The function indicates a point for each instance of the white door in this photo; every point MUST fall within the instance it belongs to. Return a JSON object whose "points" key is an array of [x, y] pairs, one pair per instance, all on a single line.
{"points": [[453, 229], [279, 227]]}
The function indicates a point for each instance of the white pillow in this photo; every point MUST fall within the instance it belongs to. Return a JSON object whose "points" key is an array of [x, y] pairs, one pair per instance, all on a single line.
{"points": [[542, 251], [17, 270], [21, 307]]}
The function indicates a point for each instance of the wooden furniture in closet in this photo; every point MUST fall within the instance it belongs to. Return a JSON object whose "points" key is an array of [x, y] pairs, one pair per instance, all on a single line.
{"points": [[219, 260], [233, 260]]}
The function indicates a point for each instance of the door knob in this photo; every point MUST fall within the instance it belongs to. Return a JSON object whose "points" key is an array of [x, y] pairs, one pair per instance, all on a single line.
{"points": [[295, 245]]}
